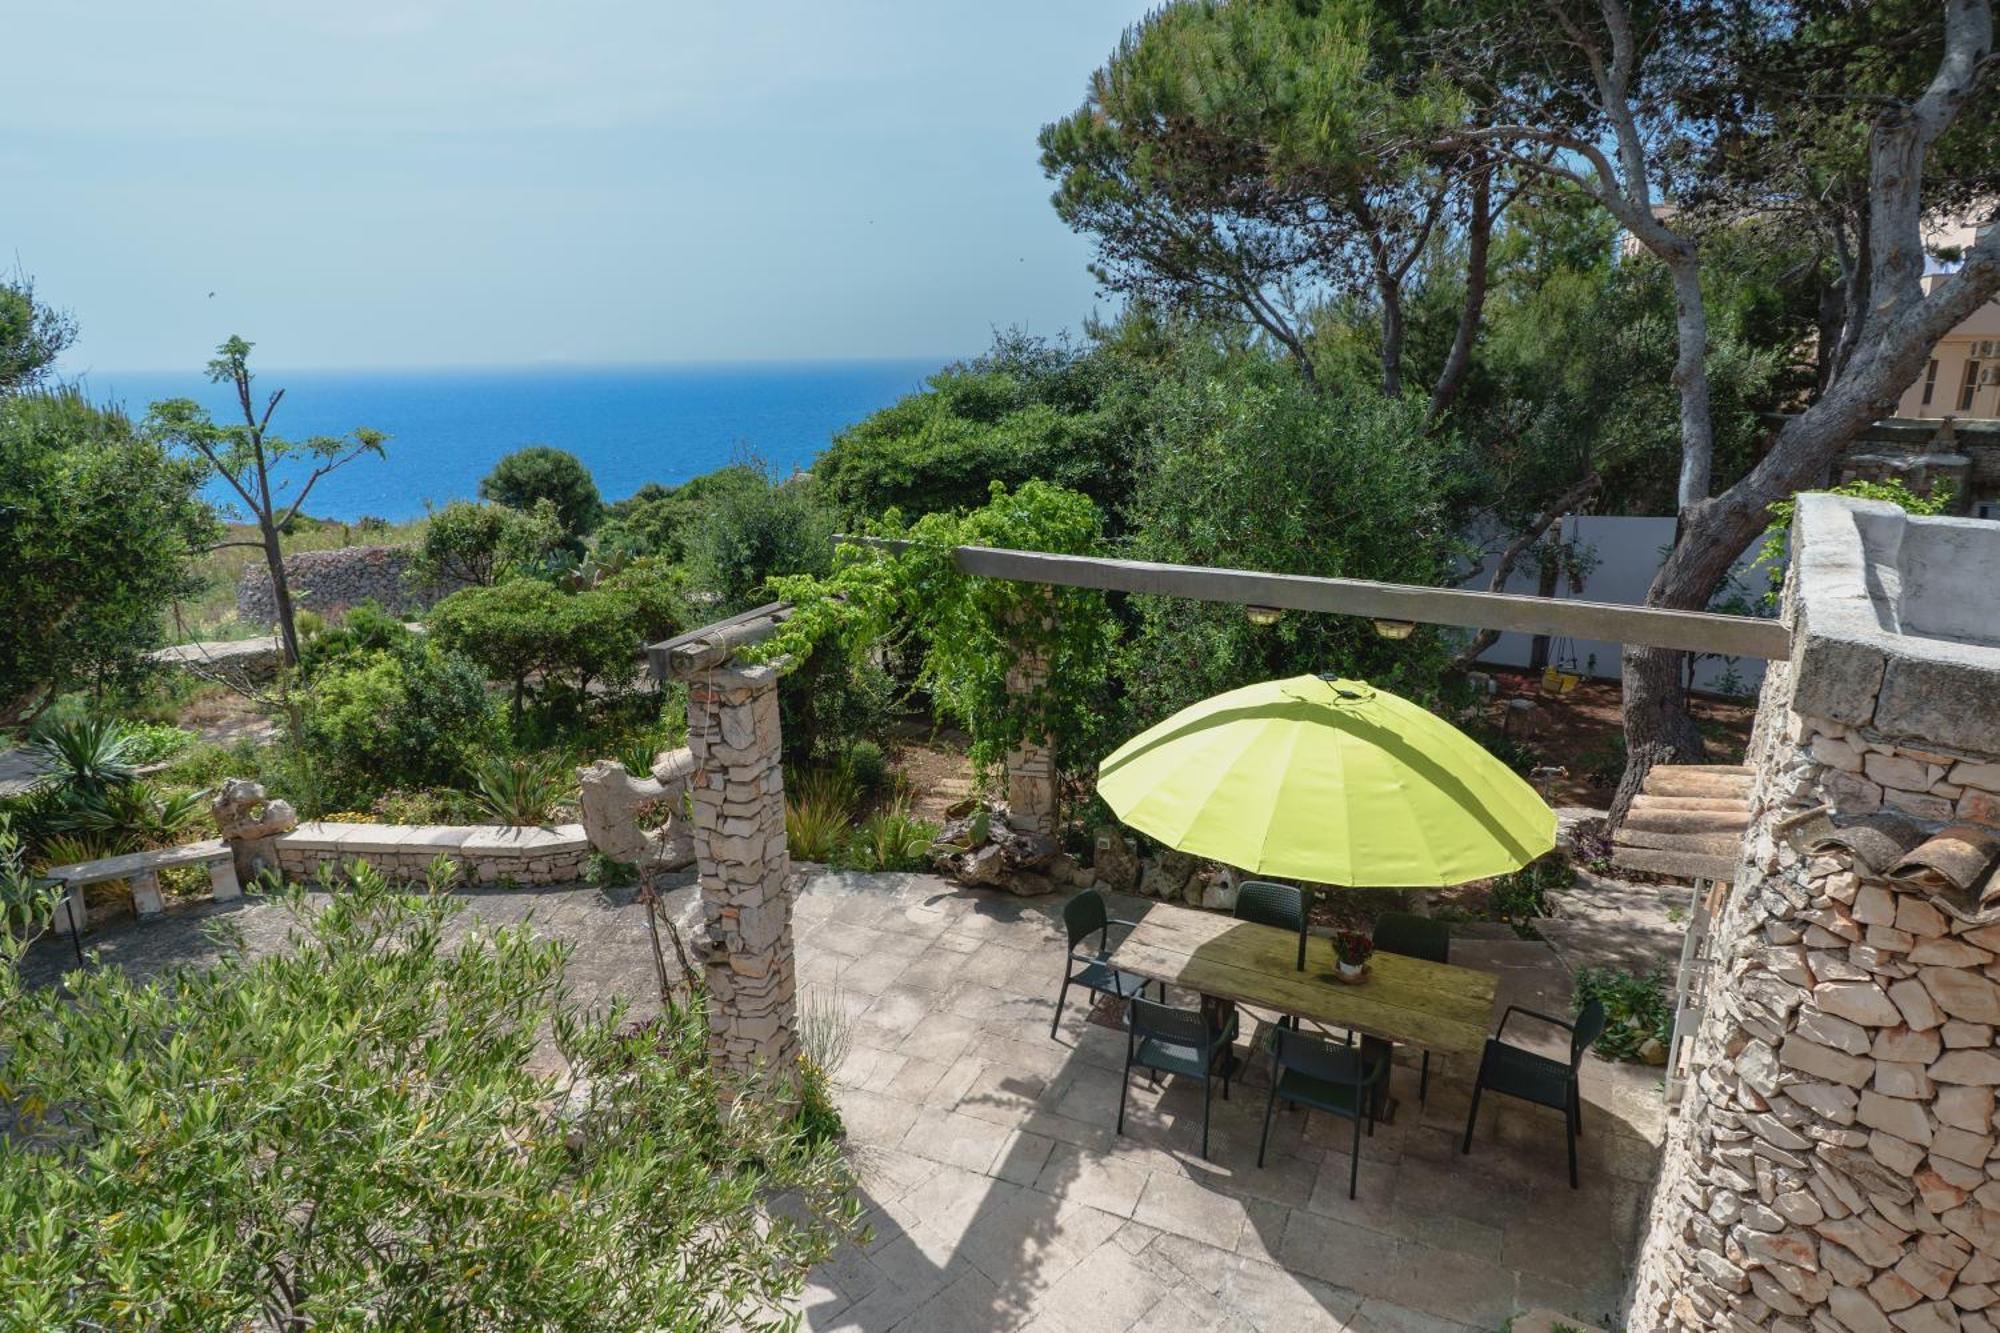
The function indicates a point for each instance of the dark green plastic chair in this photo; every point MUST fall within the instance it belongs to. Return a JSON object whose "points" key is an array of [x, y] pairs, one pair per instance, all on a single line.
{"points": [[1537, 1078], [1269, 904], [1311, 1072], [1414, 936], [1083, 916], [1167, 1040]]}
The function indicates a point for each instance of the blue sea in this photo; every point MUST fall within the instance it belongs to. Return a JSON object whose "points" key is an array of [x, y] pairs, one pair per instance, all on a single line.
{"points": [[629, 425]]}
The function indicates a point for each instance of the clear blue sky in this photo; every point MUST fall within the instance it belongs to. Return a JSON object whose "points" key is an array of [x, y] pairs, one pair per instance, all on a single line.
{"points": [[490, 182]]}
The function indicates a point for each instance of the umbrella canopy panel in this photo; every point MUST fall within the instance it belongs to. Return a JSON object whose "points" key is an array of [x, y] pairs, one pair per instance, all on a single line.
{"points": [[1327, 780]]}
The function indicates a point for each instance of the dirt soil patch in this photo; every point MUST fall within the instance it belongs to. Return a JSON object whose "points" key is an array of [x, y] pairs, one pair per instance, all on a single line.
{"points": [[1583, 733], [934, 768]]}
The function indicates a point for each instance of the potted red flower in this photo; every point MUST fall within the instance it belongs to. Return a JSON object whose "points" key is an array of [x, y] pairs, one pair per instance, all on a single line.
{"points": [[1353, 949]]}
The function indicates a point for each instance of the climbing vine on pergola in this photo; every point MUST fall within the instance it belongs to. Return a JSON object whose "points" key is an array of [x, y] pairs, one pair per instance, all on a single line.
{"points": [[972, 631]]}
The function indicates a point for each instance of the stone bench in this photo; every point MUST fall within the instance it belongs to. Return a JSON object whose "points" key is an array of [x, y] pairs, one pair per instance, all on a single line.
{"points": [[143, 870]]}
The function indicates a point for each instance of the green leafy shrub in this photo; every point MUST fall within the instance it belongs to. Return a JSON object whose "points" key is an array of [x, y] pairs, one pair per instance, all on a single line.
{"points": [[1363, 479], [867, 765], [608, 872], [523, 790], [397, 719], [973, 630], [749, 535], [1027, 409], [1638, 1012], [422, 805], [517, 629], [157, 742], [539, 472], [99, 525], [365, 628], [481, 544], [363, 1126], [1518, 899]]}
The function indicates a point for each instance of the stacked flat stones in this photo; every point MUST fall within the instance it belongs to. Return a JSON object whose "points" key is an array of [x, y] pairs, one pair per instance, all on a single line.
{"points": [[1870, 775], [1031, 766], [738, 794], [1834, 1166], [337, 579]]}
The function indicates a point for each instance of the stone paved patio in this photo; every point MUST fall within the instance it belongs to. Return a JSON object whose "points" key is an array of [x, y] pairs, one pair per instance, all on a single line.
{"points": [[1000, 1198]]}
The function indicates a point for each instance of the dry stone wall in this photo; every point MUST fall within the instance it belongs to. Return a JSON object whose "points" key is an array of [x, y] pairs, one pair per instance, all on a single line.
{"points": [[334, 580], [483, 854], [1833, 1164]]}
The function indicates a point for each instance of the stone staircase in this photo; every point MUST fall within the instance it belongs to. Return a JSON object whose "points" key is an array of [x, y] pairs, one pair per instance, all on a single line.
{"points": [[1687, 821]]}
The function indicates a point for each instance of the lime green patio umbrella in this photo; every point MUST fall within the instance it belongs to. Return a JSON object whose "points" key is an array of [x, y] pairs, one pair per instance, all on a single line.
{"points": [[1330, 781]]}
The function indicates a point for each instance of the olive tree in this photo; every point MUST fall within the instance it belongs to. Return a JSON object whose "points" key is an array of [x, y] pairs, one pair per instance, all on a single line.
{"points": [[396, 1122]]}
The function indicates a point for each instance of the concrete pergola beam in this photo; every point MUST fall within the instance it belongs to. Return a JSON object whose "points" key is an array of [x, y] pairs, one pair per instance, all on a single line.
{"points": [[1689, 631]]}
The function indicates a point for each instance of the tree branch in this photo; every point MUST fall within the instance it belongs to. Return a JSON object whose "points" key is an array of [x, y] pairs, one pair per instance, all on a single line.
{"points": [[1528, 536]]}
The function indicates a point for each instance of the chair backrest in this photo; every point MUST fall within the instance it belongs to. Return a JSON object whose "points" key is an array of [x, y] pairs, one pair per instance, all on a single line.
{"points": [[1085, 914], [1413, 936], [1321, 1059], [1589, 1027], [1185, 1027], [1270, 904]]}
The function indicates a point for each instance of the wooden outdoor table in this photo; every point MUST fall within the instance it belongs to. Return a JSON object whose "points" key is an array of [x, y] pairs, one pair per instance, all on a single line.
{"points": [[1431, 1006]]}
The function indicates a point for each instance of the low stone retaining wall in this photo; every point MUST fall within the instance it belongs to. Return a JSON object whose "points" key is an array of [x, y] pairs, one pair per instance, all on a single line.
{"points": [[484, 853], [336, 579]]}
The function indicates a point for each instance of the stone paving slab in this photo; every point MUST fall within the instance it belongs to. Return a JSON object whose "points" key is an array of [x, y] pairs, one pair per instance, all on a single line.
{"points": [[1000, 1196]]}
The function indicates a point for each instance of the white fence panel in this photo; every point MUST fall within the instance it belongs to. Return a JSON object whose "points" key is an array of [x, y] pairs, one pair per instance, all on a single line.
{"points": [[1627, 553]]}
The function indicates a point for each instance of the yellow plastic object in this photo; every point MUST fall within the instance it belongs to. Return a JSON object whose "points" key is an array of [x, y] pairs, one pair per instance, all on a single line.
{"points": [[1332, 781], [1558, 681]]}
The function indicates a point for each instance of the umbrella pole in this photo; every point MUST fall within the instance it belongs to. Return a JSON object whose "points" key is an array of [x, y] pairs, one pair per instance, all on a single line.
{"points": [[1305, 915]]}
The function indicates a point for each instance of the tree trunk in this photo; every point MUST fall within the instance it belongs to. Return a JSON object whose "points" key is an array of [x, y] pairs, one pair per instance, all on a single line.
{"points": [[1392, 337], [1478, 240], [281, 591], [1691, 379]]}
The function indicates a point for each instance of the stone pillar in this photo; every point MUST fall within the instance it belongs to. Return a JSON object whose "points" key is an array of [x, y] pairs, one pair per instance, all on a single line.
{"points": [[1833, 1166], [1031, 767], [738, 793]]}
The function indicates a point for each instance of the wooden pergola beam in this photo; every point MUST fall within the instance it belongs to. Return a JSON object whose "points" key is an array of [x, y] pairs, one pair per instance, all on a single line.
{"points": [[1689, 631], [712, 645]]}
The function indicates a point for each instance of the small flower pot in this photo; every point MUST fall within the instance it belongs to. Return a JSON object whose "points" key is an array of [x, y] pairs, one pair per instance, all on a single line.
{"points": [[1351, 973]]}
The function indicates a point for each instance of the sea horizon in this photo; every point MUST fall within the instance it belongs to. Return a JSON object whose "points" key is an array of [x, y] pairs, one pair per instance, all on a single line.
{"points": [[630, 423]]}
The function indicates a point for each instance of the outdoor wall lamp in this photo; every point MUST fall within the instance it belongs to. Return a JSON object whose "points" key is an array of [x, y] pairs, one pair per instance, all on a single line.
{"points": [[1263, 615], [1395, 629]]}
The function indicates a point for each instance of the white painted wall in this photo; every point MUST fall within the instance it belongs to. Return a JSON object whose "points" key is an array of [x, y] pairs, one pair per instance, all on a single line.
{"points": [[1629, 552]]}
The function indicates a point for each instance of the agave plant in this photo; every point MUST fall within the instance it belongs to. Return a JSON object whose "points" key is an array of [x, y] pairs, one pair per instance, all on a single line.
{"points": [[524, 790], [86, 756], [137, 816], [893, 839], [638, 755]]}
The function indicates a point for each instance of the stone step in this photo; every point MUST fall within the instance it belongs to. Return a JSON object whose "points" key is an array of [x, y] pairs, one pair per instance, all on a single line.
{"points": [[1724, 805], [1681, 865], [1674, 780], [1705, 844]]}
